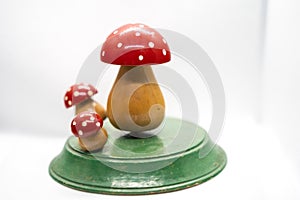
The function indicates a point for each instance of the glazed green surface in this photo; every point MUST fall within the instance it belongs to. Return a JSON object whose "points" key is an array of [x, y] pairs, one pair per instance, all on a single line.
{"points": [[126, 165]]}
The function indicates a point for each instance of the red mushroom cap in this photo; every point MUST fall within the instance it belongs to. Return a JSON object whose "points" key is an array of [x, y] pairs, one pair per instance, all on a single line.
{"points": [[86, 124], [78, 93], [135, 44]]}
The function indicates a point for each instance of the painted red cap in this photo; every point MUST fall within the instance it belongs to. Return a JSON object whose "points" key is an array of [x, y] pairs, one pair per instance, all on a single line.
{"points": [[135, 44], [86, 124], [78, 93]]}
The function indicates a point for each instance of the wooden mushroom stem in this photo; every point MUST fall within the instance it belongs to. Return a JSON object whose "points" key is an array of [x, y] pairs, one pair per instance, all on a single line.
{"points": [[135, 102], [91, 105], [94, 142]]}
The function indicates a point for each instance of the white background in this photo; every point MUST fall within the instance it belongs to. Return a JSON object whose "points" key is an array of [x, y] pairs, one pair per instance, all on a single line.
{"points": [[254, 45]]}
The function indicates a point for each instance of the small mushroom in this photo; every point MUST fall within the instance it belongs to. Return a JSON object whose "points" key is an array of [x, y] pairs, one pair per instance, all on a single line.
{"points": [[80, 95], [87, 126], [135, 102]]}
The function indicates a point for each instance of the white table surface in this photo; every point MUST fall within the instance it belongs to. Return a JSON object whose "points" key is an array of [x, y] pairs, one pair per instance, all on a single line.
{"points": [[257, 168]]}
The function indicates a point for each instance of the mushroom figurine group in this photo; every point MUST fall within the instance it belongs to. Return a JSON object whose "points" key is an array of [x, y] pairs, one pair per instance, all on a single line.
{"points": [[135, 102], [89, 115]]}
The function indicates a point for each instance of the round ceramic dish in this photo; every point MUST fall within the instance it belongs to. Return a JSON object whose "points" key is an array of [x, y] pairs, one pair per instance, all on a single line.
{"points": [[171, 160]]}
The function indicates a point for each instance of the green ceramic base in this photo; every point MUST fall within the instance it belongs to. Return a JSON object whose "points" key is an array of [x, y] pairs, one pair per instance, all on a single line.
{"points": [[130, 166]]}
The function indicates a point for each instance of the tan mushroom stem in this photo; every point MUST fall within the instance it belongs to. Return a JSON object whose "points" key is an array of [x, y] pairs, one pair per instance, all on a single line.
{"points": [[91, 105], [135, 102], [94, 142]]}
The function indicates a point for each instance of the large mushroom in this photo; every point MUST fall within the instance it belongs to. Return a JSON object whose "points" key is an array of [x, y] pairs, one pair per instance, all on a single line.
{"points": [[87, 126], [80, 95], [135, 102]]}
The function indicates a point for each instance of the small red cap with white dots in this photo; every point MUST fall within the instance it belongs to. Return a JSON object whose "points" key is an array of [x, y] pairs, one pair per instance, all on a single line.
{"points": [[86, 124], [78, 93], [135, 44]]}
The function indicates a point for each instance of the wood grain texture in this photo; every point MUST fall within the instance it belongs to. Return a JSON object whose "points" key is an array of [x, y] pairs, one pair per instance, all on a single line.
{"points": [[135, 102], [92, 106], [94, 142]]}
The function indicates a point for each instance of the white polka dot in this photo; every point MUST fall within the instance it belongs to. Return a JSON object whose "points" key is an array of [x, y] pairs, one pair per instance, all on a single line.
{"points": [[70, 103], [69, 89], [164, 52], [66, 98], [90, 93], [103, 53], [85, 114], [119, 45], [84, 123], [74, 123], [80, 132], [98, 124], [137, 34], [141, 57], [115, 32], [92, 118], [164, 41], [142, 25], [151, 44], [76, 93]]}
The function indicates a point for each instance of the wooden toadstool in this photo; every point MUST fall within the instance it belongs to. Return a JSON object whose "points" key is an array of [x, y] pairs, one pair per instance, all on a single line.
{"points": [[80, 95], [87, 126], [135, 102]]}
